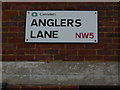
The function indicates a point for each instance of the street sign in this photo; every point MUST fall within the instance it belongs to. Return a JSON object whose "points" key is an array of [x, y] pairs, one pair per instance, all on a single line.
{"points": [[61, 27]]}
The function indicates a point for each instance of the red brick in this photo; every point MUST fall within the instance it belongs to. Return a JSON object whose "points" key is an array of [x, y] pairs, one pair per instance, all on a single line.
{"points": [[51, 51], [25, 57], [105, 40], [5, 29], [6, 6], [29, 3], [10, 13], [19, 52], [49, 88], [102, 35], [75, 46], [66, 52], [22, 12], [101, 24], [3, 50], [103, 7], [115, 19], [8, 58], [5, 18], [30, 88], [34, 51], [95, 3], [23, 46], [106, 29], [70, 8], [4, 41], [116, 40], [9, 51], [102, 13], [7, 35], [9, 46], [94, 58], [21, 24], [57, 8], [52, 46], [19, 6], [117, 7], [111, 24], [11, 87], [58, 3], [118, 52], [76, 4], [37, 7], [28, 6], [20, 34], [16, 29], [17, 18], [105, 52], [111, 35], [74, 58], [43, 57], [60, 57], [69, 88], [111, 58], [15, 40], [111, 3], [87, 52], [10, 24], [94, 46], [104, 19], [117, 29], [111, 46], [112, 13]]}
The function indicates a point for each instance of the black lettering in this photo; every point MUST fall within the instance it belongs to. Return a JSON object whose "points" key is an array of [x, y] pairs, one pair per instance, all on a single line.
{"points": [[42, 22], [47, 34], [50, 22], [34, 22], [55, 35], [70, 22], [78, 22], [40, 34], [63, 22], [56, 24], [31, 35]]}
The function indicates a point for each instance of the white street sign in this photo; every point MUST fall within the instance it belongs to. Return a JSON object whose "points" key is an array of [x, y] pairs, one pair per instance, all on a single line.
{"points": [[61, 27]]}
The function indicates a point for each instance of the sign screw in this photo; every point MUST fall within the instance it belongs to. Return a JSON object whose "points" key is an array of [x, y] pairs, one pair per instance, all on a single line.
{"points": [[26, 39]]}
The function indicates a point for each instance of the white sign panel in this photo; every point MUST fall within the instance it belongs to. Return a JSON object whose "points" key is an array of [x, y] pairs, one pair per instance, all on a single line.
{"points": [[61, 27]]}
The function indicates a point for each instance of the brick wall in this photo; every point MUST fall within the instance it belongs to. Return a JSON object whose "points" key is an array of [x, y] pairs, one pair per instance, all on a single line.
{"points": [[14, 48]]}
